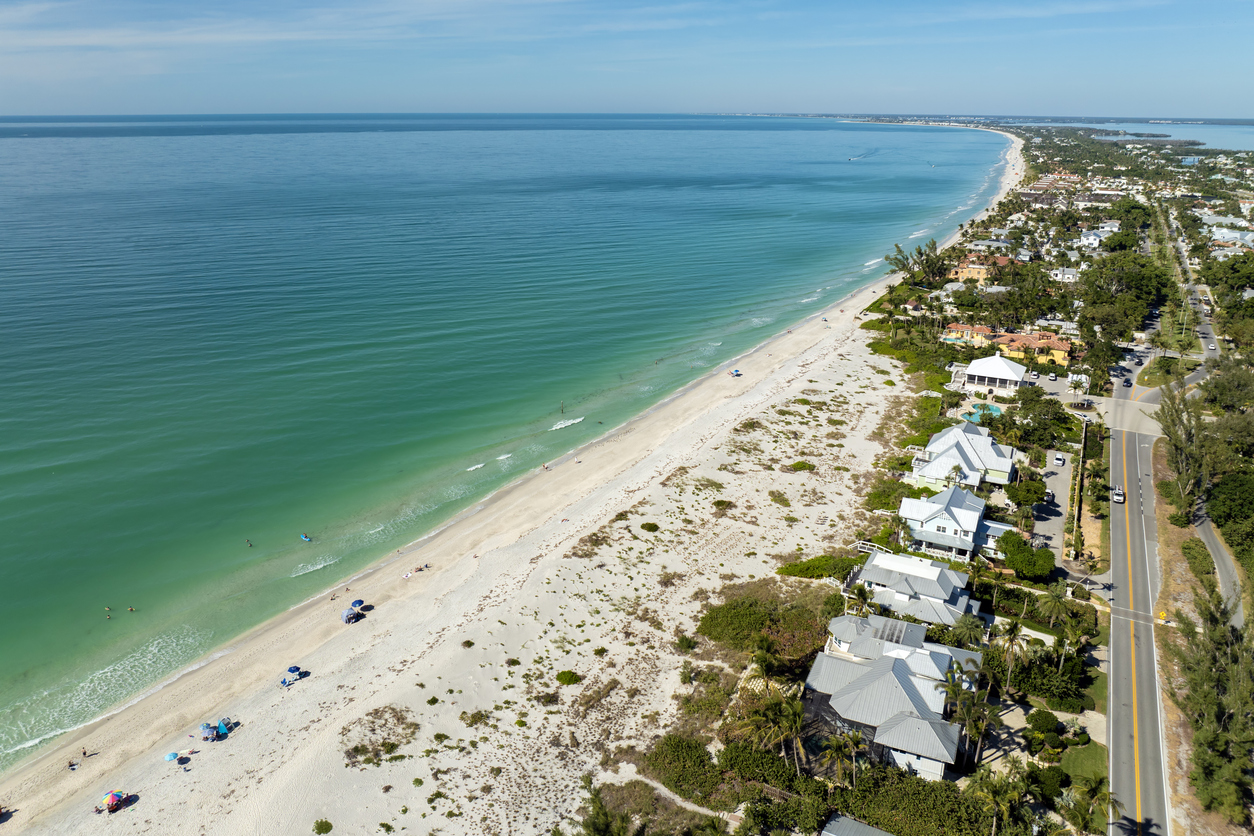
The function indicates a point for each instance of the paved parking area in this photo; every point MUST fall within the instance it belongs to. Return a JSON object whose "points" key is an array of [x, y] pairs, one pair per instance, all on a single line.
{"points": [[1051, 518]]}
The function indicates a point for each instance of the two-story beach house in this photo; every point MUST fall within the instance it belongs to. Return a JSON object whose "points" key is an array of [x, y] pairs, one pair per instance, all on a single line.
{"points": [[915, 586], [993, 375], [951, 525], [970, 449], [879, 676]]}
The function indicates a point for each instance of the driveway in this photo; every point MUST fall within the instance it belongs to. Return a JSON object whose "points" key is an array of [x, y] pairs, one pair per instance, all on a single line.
{"points": [[1051, 518]]}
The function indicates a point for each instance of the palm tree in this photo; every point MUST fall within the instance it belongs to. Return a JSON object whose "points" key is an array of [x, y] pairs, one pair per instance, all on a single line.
{"points": [[1012, 643], [1075, 387], [1073, 638], [1094, 790], [792, 719], [856, 747], [898, 527], [954, 685], [836, 750], [996, 794], [970, 714], [863, 599], [955, 475], [968, 630], [1054, 602]]}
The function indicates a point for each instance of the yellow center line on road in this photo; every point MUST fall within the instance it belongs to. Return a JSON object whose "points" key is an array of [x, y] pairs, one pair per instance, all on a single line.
{"points": [[1127, 535]]}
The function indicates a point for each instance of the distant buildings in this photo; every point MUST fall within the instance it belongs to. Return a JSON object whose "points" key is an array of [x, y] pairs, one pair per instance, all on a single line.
{"points": [[879, 676], [1040, 347], [976, 335], [962, 455], [951, 525]]}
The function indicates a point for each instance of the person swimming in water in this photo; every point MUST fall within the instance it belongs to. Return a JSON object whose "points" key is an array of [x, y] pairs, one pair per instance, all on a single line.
{"points": [[306, 538]]}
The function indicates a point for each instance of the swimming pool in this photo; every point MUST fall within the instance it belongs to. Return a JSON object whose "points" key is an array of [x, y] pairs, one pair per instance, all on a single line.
{"points": [[979, 409]]}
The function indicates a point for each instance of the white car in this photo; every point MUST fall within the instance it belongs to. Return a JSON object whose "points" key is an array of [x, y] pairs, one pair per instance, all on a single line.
{"points": [[1117, 495], [1059, 461], [1212, 347], [1053, 376]]}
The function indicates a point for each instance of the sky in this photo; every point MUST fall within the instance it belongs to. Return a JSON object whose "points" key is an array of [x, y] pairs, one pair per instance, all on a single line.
{"points": [[1150, 58]]}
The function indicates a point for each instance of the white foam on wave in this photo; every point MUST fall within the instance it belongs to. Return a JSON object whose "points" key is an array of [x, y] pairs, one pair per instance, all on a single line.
{"points": [[72, 706], [503, 458], [475, 467], [809, 299], [563, 424], [759, 321], [917, 234], [318, 563], [716, 345], [876, 261]]}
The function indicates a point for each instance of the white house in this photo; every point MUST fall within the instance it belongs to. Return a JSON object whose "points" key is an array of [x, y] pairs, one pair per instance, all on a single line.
{"points": [[915, 586], [1108, 226], [967, 447], [1093, 238], [987, 245], [993, 375], [1066, 275], [879, 676], [951, 524]]}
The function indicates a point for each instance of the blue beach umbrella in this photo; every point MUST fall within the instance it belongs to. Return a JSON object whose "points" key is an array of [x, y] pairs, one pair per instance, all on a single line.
{"points": [[357, 603], [173, 756], [294, 669]]}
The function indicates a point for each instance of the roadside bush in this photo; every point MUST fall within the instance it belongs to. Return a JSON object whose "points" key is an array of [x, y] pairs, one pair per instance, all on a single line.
{"points": [[1042, 721], [1200, 562], [684, 766], [735, 623], [568, 678], [1082, 739]]}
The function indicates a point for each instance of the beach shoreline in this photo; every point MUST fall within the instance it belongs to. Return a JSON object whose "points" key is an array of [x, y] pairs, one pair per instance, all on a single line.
{"points": [[502, 544]]}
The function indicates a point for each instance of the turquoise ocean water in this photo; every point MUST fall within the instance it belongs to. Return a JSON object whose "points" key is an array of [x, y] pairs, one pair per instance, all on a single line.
{"points": [[218, 329]]}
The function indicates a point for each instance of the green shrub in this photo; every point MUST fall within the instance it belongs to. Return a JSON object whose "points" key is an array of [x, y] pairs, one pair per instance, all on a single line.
{"points": [[433, 701], [685, 644], [833, 606], [649, 527], [1047, 784], [823, 566], [1043, 722], [1082, 739], [1053, 741], [736, 622], [568, 678], [799, 466], [1199, 558], [600, 651], [512, 663], [779, 498], [322, 826], [684, 766], [1180, 519], [468, 644]]}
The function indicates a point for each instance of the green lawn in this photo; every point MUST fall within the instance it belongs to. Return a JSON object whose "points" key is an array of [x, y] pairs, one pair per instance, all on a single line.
{"points": [[1085, 760], [1153, 374], [1098, 689]]}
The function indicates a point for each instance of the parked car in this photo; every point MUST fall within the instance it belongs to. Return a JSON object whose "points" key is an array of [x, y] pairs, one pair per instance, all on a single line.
{"points": [[1036, 375], [1049, 497], [1053, 376], [1212, 347], [1059, 461]]}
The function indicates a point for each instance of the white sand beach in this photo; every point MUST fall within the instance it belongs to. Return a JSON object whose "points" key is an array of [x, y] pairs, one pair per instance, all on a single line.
{"points": [[503, 585]]}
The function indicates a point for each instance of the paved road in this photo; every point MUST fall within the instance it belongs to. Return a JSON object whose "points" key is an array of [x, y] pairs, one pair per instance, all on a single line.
{"points": [[1225, 567], [1137, 764]]}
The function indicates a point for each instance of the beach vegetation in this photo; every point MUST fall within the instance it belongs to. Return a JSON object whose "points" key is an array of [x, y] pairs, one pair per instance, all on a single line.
{"points": [[649, 527], [600, 651], [802, 466], [780, 498], [322, 827], [749, 426], [468, 644], [433, 701], [568, 678], [822, 566], [685, 643], [385, 827], [722, 506]]}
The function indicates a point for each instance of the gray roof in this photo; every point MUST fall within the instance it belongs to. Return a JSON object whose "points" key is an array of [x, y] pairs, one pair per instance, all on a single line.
{"points": [[885, 689], [930, 737], [839, 825], [911, 575]]}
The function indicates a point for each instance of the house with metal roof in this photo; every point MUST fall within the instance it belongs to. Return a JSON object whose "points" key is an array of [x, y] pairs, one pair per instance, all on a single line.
{"points": [[924, 589], [951, 525], [993, 375], [839, 825], [971, 450], [879, 676]]}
